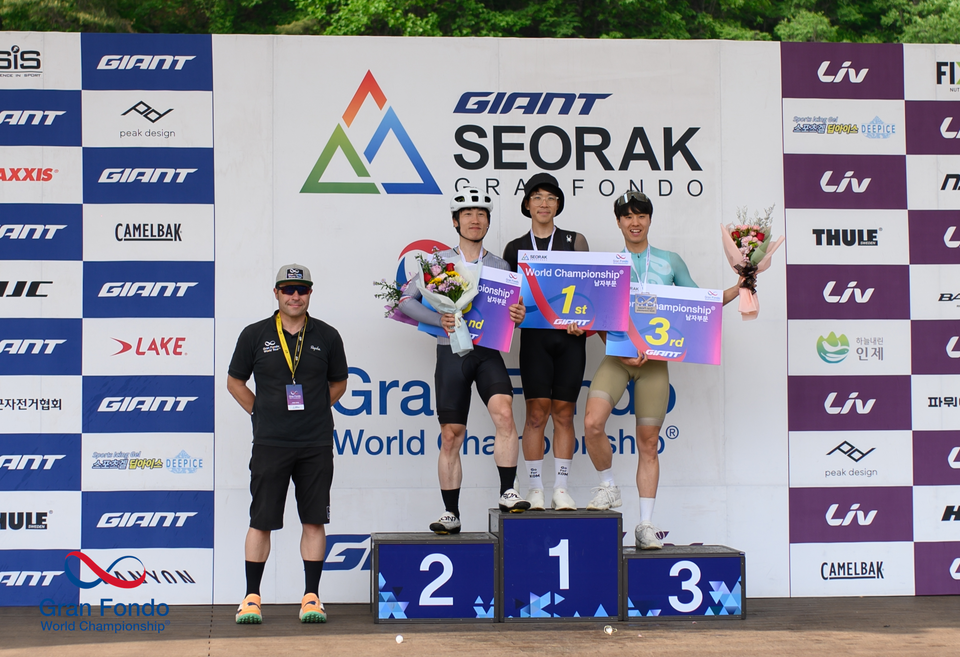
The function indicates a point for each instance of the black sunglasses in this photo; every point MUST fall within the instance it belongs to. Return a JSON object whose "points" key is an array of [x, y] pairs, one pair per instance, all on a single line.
{"points": [[632, 196], [302, 290]]}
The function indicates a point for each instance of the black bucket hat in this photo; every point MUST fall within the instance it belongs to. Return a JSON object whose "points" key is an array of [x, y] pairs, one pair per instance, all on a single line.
{"points": [[541, 181]]}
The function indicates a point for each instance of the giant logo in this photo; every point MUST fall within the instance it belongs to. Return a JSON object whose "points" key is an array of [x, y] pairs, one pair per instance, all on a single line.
{"points": [[48, 231], [148, 289], [148, 175], [30, 117], [42, 462], [339, 141], [148, 403], [40, 346], [28, 577], [145, 519], [181, 62]]}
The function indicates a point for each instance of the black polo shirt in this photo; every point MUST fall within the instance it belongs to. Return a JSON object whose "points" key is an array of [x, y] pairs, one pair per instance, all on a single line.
{"points": [[322, 361]]}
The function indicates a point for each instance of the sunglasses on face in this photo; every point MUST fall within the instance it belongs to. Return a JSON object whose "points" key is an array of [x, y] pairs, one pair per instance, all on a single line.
{"points": [[632, 196], [302, 290]]}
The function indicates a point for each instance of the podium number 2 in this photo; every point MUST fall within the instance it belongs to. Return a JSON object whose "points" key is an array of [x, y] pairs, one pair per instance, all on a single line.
{"points": [[442, 578], [689, 584], [562, 551]]}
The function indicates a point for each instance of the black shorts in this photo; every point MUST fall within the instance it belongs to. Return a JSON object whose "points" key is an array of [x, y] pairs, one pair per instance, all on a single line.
{"points": [[454, 376], [271, 469], [552, 364]]}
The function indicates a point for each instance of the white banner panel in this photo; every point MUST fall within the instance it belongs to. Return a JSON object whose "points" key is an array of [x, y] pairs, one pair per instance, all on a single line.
{"points": [[851, 569], [33, 404], [40, 520], [148, 119], [848, 347], [926, 72], [34, 288], [148, 346], [848, 237], [182, 576], [813, 125], [155, 461], [54, 60], [936, 513], [935, 402], [148, 232], [850, 458], [935, 291], [35, 174], [933, 182]]}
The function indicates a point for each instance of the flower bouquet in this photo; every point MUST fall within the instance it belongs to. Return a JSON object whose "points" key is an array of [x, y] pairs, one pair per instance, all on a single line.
{"points": [[749, 250], [392, 293], [450, 290]]}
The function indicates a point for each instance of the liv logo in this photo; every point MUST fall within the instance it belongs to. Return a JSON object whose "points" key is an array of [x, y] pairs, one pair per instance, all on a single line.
{"points": [[103, 575], [833, 348], [340, 141]]}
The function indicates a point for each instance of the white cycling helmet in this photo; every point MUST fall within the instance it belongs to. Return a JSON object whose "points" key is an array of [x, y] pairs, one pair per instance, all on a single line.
{"points": [[471, 197]]}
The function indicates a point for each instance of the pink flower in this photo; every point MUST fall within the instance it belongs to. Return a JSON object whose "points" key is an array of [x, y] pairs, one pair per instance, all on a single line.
{"points": [[435, 270]]}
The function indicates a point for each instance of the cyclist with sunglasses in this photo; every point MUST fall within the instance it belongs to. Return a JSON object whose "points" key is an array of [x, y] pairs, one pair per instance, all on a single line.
{"points": [[482, 366], [551, 361], [650, 265], [300, 370]]}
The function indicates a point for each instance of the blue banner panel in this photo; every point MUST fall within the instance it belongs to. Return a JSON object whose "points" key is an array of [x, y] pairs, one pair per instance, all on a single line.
{"points": [[686, 585], [33, 577], [52, 231], [181, 62], [435, 580], [148, 175], [138, 404], [41, 347], [40, 461], [147, 519], [35, 117], [148, 289], [561, 568]]}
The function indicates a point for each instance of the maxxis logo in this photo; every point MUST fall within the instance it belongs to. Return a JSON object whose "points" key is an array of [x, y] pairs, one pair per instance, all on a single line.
{"points": [[339, 140], [103, 574]]}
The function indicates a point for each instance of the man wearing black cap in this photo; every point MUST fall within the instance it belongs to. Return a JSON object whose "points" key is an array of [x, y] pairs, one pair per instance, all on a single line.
{"points": [[551, 361], [300, 370]]}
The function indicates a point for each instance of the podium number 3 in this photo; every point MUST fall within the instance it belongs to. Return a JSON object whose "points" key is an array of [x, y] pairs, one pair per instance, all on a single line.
{"points": [[562, 550], [425, 596], [689, 584]]}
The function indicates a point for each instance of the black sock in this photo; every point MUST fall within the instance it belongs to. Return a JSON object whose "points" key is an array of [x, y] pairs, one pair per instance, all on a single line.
{"points": [[311, 577], [451, 501], [507, 476], [254, 575]]}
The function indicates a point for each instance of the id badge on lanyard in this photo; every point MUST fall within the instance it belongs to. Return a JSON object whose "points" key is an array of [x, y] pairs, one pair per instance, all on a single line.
{"points": [[294, 390]]}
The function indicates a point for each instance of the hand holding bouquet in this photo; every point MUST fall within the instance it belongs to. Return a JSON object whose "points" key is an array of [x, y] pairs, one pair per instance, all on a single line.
{"points": [[749, 251], [450, 290], [391, 293]]}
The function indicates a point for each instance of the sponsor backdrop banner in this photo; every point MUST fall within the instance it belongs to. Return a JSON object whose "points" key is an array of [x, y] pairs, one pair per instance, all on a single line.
{"points": [[142, 226]]}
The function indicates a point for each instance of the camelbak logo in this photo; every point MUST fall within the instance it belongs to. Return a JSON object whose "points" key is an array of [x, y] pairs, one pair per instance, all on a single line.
{"points": [[858, 186], [33, 117], [854, 512], [145, 519], [852, 290], [147, 175], [948, 238], [856, 77], [862, 409], [144, 62], [148, 404]]}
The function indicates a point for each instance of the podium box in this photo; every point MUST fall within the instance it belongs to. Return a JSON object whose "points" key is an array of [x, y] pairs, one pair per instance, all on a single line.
{"points": [[558, 564], [423, 577], [683, 581]]}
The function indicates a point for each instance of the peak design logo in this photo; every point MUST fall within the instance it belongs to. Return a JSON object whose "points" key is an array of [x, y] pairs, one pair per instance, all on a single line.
{"points": [[339, 140], [833, 348], [103, 576]]}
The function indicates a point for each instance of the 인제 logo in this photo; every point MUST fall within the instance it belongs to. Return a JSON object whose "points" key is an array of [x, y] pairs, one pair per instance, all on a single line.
{"points": [[833, 348]]}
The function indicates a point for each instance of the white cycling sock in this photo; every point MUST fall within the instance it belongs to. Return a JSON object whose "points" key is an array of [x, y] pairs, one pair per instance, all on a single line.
{"points": [[646, 508], [563, 469], [534, 470]]}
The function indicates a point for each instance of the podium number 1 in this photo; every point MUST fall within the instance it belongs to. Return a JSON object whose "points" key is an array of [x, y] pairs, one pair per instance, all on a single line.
{"points": [[562, 551], [425, 596]]}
